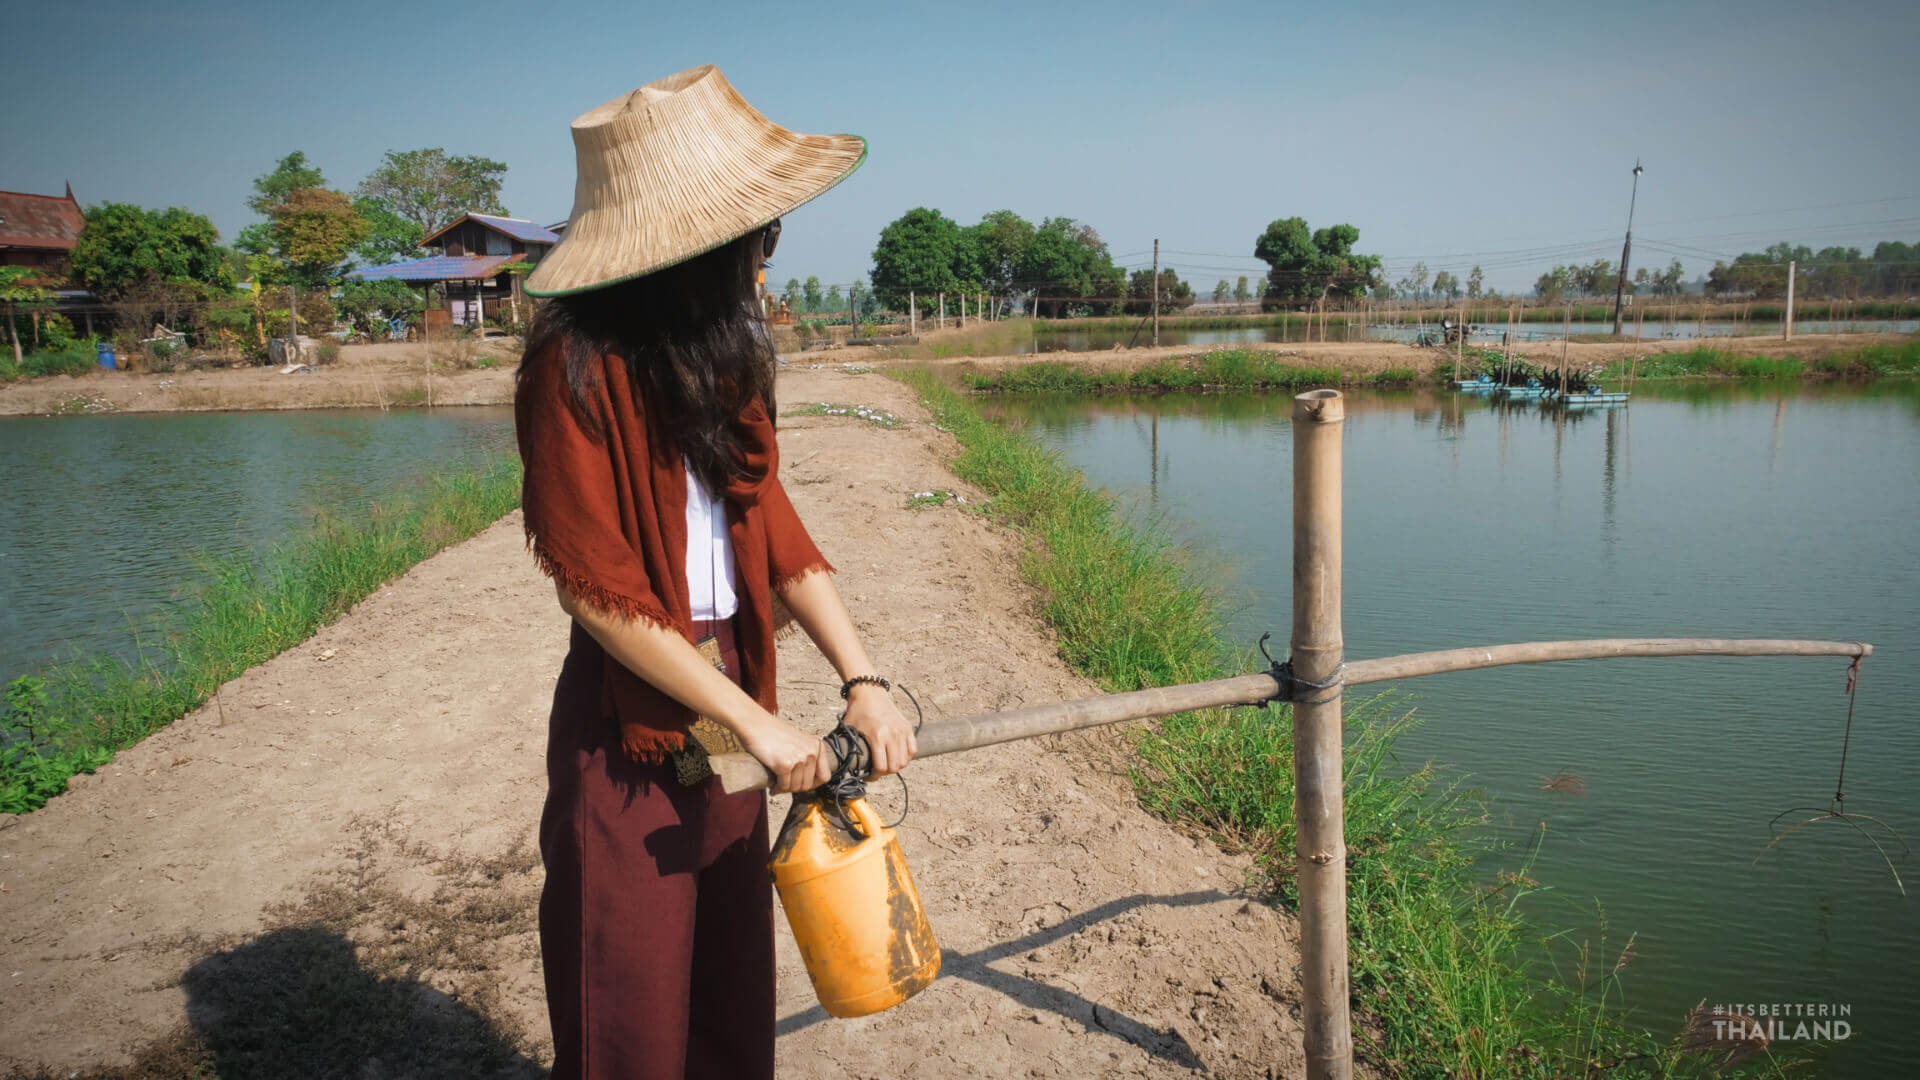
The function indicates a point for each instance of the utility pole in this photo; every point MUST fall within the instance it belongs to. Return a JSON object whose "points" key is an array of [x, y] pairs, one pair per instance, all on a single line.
{"points": [[1626, 250], [1156, 293]]}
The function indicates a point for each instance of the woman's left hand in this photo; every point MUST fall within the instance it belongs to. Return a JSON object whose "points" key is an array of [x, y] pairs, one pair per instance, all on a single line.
{"points": [[872, 713]]}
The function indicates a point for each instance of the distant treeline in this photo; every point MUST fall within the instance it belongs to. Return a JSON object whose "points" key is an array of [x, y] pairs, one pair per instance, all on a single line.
{"points": [[1843, 272]]}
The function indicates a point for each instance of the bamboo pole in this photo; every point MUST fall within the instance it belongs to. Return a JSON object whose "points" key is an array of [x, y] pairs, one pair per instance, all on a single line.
{"points": [[740, 772], [1319, 814]]}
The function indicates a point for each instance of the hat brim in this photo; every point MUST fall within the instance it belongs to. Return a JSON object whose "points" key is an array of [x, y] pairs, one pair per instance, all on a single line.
{"points": [[586, 260]]}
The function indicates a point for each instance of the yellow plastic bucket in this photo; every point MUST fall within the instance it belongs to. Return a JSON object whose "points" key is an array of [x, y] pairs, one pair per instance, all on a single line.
{"points": [[844, 883]]}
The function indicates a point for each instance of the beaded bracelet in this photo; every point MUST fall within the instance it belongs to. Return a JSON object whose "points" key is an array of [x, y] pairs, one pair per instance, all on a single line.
{"points": [[847, 687]]}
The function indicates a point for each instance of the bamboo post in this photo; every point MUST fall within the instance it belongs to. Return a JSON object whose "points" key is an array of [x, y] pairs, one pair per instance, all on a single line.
{"points": [[1787, 331], [940, 317], [1320, 850], [1156, 292], [913, 315]]}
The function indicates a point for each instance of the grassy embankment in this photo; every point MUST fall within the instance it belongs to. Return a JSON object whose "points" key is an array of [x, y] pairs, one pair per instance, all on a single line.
{"points": [[1865, 362], [75, 715], [1221, 369], [1456, 982], [76, 359]]}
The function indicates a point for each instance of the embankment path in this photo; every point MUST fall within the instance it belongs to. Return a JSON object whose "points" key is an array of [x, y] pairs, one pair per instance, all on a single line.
{"points": [[349, 826]]}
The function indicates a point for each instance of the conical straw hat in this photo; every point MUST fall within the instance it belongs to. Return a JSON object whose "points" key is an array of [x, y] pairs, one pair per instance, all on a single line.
{"points": [[677, 168]]}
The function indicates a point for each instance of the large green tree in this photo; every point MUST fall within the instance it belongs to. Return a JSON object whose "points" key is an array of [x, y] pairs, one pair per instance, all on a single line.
{"points": [[390, 237], [431, 188], [810, 292], [923, 252], [1446, 286], [1310, 264], [125, 245], [1000, 243], [1069, 270]]}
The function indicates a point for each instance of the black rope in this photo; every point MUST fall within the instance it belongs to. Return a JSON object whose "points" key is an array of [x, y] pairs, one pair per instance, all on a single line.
{"points": [[1290, 685], [1846, 740], [853, 766]]}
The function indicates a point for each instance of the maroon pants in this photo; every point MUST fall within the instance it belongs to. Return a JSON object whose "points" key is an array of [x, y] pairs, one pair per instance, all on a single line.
{"points": [[656, 922]]}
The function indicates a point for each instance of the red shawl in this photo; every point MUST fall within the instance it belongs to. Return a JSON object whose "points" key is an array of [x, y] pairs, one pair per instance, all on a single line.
{"points": [[606, 517]]}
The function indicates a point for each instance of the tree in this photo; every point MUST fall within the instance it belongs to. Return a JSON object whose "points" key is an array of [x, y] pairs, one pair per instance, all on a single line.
{"points": [[313, 230], [292, 173], [1553, 284], [15, 291], [1475, 284], [791, 294], [924, 252], [1221, 290], [390, 237], [1445, 285], [999, 245], [125, 245], [1240, 291], [1174, 293], [811, 292], [367, 305], [1312, 265], [1414, 285], [1069, 270], [431, 189], [833, 298]]}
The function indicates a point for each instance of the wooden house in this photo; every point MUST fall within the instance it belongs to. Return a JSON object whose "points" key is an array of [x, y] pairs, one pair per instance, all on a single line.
{"points": [[471, 254], [40, 231]]}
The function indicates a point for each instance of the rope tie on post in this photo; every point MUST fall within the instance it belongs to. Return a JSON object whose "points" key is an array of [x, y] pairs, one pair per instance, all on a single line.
{"points": [[1293, 688]]}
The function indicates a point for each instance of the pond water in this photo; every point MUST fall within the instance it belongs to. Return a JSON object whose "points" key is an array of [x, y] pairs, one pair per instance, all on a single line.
{"points": [[1694, 511], [1044, 338], [103, 516]]}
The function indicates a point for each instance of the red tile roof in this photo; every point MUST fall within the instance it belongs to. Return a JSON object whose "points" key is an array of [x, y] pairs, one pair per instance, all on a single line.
{"points": [[40, 221]]}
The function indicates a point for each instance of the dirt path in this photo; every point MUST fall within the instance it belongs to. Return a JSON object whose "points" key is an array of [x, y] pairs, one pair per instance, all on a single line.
{"points": [[331, 863]]}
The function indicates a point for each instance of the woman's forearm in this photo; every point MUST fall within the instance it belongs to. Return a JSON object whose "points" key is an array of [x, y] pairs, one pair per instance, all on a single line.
{"points": [[816, 605], [664, 659]]}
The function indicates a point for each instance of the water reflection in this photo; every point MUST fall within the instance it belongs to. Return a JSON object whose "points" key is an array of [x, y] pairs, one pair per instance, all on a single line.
{"points": [[1473, 521], [105, 517]]}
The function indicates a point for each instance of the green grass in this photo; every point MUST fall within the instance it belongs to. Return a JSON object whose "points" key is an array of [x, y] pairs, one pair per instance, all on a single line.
{"points": [[76, 359], [1867, 361], [1219, 370], [1456, 982], [82, 710]]}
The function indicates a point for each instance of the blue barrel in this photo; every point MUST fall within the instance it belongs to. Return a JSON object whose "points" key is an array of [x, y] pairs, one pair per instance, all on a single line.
{"points": [[105, 353]]}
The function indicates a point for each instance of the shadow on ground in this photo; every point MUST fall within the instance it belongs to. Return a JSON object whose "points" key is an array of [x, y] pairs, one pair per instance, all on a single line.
{"points": [[1094, 1017], [297, 1003]]}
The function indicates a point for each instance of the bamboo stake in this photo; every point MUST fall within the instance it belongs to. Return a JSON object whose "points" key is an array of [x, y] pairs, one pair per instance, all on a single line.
{"points": [[1320, 851]]}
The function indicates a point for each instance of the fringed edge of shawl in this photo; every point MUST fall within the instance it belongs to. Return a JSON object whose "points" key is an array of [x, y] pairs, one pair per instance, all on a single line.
{"points": [[594, 594], [820, 564]]}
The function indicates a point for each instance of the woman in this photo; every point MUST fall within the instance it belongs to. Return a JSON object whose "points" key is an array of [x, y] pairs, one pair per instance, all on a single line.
{"points": [[644, 412]]}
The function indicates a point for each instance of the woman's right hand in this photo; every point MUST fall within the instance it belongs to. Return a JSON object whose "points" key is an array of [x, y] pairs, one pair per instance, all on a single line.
{"points": [[797, 760]]}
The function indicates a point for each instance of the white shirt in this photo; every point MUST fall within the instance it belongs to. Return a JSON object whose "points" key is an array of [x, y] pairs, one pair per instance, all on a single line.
{"points": [[709, 553]]}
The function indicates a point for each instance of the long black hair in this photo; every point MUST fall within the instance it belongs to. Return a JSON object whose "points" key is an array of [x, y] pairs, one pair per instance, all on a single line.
{"points": [[695, 342]]}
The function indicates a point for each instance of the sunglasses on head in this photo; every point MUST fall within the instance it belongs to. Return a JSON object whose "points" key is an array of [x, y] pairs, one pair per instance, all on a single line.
{"points": [[770, 239]]}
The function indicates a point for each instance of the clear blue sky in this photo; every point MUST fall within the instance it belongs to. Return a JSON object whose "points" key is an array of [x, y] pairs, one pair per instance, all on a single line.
{"points": [[1503, 134]]}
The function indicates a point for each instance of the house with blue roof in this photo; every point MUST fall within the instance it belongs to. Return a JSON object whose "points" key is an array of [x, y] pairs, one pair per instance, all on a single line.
{"points": [[470, 254]]}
